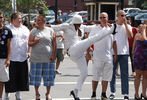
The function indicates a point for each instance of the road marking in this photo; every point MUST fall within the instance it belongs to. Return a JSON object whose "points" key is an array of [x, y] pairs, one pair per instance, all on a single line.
{"points": [[81, 99], [85, 83]]}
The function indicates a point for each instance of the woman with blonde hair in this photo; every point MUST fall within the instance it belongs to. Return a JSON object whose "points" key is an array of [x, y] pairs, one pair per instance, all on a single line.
{"points": [[139, 52]]}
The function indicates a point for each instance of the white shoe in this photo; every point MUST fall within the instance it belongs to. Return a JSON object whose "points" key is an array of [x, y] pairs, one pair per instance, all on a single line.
{"points": [[6, 96], [17, 98]]}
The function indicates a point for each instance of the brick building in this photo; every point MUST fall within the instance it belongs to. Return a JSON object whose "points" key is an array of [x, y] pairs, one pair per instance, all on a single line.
{"points": [[67, 5]]}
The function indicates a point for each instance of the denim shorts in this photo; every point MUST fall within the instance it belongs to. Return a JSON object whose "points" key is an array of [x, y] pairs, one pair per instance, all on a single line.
{"points": [[45, 70]]}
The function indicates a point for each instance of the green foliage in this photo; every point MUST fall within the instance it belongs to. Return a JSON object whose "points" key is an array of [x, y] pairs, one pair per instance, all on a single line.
{"points": [[23, 5], [144, 5], [5, 5], [27, 5], [141, 4]]}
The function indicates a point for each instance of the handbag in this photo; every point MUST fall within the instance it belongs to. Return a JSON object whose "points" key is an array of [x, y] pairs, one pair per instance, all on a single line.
{"points": [[4, 73]]}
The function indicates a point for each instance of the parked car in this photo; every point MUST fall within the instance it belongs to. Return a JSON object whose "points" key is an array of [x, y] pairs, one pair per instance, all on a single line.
{"points": [[142, 16], [64, 18], [131, 10], [133, 14], [85, 19], [82, 13]]}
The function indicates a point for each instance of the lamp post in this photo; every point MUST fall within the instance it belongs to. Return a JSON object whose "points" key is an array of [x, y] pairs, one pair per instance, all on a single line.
{"points": [[75, 5], [29, 12], [13, 6], [56, 9], [122, 4]]}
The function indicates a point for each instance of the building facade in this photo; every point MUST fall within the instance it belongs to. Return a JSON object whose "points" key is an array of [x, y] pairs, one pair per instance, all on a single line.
{"points": [[67, 5], [95, 7]]}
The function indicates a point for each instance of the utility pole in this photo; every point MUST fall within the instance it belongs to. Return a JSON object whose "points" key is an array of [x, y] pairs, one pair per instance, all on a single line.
{"points": [[122, 4], [13, 6], [56, 9], [75, 5], [29, 11]]}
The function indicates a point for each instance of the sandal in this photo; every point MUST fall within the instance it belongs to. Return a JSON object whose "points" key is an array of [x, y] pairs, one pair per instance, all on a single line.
{"points": [[37, 96], [48, 97]]}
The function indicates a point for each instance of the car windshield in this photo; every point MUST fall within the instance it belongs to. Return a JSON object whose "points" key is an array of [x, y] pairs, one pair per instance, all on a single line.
{"points": [[72, 14], [141, 16], [52, 20], [70, 20], [125, 11]]}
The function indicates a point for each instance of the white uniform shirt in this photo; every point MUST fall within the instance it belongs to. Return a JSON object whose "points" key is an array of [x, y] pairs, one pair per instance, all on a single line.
{"points": [[70, 34], [59, 40], [122, 40], [19, 43], [103, 48]]}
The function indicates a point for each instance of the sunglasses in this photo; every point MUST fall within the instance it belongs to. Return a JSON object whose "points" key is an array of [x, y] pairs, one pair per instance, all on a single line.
{"points": [[123, 15], [1, 17], [102, 17]]}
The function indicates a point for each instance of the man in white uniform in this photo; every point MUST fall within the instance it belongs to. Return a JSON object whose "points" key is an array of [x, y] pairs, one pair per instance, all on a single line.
{"points": [[76, 47], [102, 57]]}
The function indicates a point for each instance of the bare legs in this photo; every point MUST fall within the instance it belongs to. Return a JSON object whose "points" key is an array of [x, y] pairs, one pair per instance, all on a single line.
{"points": [[144, 83], [57, 65], [1, 89], [137, 80], [47, 92], [104, 85]]}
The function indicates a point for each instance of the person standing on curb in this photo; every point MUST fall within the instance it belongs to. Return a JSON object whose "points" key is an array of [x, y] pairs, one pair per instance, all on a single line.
{"points": [[5, 52], [139, 52], [123, 32], [59, 47], [131, 40], [43, 47], [103, 57], [18, 70]]}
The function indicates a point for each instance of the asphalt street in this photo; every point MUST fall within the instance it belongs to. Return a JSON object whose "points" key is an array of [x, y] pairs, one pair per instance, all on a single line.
{"points": [[65, 82]]}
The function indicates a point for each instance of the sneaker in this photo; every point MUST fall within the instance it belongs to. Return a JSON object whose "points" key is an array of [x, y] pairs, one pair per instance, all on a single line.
{"points": [[93, 97], [103, 98], [126, 98], [17, 98], [112, 96], [6, 98], [57, 72]]}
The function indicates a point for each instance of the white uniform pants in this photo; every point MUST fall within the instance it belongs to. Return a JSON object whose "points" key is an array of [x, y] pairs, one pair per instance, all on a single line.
{"points": [[76, 53]]}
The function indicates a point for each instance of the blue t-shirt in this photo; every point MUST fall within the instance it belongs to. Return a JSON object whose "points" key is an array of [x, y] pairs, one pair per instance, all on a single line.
{"points": [[5, 34]]}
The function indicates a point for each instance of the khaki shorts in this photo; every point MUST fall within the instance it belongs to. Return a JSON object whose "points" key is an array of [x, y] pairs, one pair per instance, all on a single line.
{"points": [[4, 71], [59, 54], [102, 70]]}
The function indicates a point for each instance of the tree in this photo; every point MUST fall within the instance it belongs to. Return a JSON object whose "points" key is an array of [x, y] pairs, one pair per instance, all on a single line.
{"points": [[144, 5], [140, 4], [5, 5], [27, 5], [23, 5]]}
